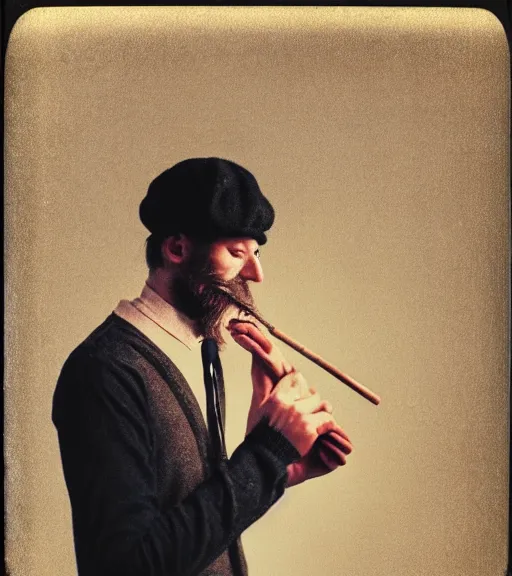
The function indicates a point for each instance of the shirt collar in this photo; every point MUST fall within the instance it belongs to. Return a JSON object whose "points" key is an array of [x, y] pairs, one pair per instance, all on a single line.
{"points": [[168, 317]]}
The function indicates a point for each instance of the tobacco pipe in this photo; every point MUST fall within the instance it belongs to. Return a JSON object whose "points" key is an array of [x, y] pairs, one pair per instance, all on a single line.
{"points": [[316, 358]]}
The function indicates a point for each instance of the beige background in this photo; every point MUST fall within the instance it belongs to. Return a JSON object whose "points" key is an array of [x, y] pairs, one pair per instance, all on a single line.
{"points": [[381, 137]]}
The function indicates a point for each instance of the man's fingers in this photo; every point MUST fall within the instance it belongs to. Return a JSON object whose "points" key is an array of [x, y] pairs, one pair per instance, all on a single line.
{"points": [[255, 349], [329, 460], [249, 344], [325, 423], [334, 454], [251, 339], [337, 441], [251, 331], [343, 434]]}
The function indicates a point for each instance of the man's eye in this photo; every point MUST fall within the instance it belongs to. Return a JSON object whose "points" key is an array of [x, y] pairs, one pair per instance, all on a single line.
{"points": [[257, 254], [237, 253]]}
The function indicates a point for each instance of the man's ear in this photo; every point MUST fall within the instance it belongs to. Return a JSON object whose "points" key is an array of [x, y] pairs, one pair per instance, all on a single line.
{"points": [[176, 249]]}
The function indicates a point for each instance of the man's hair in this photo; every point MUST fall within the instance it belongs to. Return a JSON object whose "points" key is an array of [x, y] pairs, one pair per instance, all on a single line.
{"points": [[154, 258]]}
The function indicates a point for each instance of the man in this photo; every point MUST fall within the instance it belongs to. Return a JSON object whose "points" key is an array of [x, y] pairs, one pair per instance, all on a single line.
{"points": [[152, 490]]}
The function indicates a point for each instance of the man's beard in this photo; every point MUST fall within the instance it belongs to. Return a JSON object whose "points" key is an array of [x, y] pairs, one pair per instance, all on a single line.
{"points": [[197, 292]]}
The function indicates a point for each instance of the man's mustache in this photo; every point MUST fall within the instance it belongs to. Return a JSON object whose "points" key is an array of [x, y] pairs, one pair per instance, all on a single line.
{"points": [[224, 290]]}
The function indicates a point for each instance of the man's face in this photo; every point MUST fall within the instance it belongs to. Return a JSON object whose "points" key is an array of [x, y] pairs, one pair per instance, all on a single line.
{"points": [[236, 257], [229, 264]]}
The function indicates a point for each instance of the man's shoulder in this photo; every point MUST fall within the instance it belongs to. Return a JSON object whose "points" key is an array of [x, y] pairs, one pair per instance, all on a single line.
{"points": [[103, 367], [112, 337], [115, 352], [115, 346], [115, 342]]}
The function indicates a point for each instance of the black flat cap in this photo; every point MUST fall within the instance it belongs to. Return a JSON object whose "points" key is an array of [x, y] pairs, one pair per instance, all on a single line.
{"points": [[209, 198]]}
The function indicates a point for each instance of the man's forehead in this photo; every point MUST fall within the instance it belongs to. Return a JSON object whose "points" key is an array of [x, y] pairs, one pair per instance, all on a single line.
{"points": [[249, 243]]}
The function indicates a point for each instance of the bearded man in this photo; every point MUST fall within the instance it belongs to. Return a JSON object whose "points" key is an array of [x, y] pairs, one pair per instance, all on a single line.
{"points": [[139, 406]]}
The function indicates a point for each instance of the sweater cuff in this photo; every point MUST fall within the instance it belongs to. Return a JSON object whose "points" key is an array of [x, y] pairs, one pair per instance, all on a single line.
{"points": [[264, 434]]}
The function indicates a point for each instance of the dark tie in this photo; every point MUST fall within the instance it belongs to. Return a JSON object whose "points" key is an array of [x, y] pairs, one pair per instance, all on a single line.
{"points": [[213, 380]]}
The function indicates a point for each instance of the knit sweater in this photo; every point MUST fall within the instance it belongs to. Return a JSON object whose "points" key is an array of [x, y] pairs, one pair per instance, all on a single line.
{"points": [[146, 499]]}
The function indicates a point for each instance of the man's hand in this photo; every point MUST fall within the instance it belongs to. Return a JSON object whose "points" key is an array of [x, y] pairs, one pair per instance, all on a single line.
{"points": [[301, 420], [268, 368], [267, 358], [268, 365]]}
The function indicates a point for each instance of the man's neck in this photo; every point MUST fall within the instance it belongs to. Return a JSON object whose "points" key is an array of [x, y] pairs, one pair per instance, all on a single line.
{"points": [[159, 281]]}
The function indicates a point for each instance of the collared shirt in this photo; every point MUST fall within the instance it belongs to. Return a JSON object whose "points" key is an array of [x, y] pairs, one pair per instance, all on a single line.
{"points": [[173, 332]]}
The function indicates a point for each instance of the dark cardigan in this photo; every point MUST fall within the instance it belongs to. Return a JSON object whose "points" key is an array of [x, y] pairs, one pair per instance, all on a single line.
{"points": [[145, 498]]}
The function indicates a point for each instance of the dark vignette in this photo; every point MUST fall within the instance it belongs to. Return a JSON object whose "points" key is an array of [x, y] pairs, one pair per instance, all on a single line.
{"points": [[11, 10]]}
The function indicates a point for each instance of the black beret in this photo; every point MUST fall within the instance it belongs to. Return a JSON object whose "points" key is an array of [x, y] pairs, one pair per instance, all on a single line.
{"points": [[210, 198]]}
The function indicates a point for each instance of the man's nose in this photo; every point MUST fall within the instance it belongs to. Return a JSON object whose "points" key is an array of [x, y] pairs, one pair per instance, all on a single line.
{"points": [[252, 270]]}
